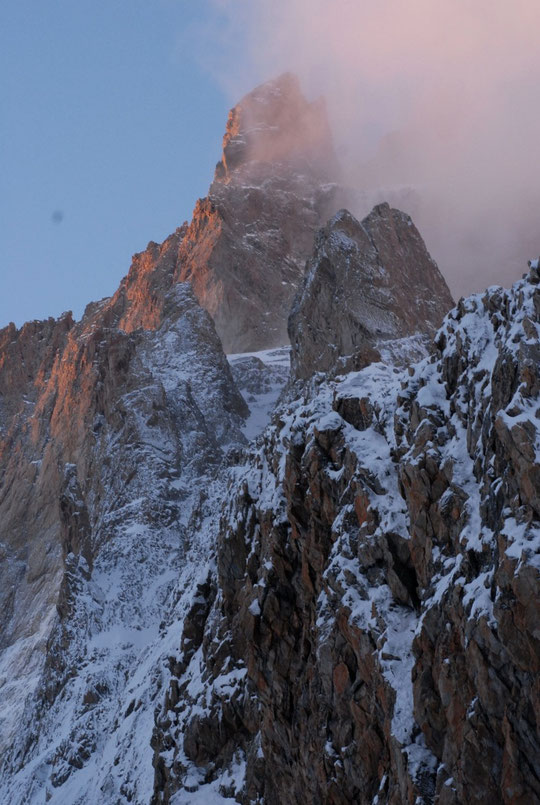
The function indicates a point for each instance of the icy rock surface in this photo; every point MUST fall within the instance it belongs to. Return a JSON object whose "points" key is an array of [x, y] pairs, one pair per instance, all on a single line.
{"points": [[373, 631], [359, 625], [111, 446], [260, 377], [338, 605]]}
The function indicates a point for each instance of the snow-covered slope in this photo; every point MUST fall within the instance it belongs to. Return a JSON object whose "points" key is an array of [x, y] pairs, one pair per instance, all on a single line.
{"points": [[222, 582], [375, 611], [360, 622], [260, 376], [143, 423]]}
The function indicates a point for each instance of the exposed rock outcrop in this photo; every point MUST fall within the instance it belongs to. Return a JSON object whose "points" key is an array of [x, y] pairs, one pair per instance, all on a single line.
{"points": [[471, 481], [365, 284], [108, 441], [113, 431], [275, 125], [344, 610], [373, 636], [246, 247], [139, 300]]}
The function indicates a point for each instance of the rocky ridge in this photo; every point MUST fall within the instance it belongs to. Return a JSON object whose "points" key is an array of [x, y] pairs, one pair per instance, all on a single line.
{"points": [[372, 633], [343, 610], [109, 440], [244, 250]]}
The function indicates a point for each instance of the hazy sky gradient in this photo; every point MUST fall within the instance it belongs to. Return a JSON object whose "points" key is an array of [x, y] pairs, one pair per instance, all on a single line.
{"points": [[437, 102], [109, 119], [113, 113]]}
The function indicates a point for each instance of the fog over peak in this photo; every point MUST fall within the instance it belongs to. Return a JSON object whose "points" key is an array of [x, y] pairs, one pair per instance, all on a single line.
{"points": [[434, 107]]}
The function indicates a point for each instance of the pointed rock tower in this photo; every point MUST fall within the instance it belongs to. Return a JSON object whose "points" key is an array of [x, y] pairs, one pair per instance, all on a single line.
{"points": [[246, 247], [245, 250]]}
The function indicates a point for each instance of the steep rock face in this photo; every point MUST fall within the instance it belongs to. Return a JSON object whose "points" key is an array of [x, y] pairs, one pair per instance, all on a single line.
{"points": [[139, 300], [29, 478], [274, 124], [366, 283], [246, 247], [113, 433], [103, 460], [471, 481], [360, 623], [305, 624], [244, 250], [373, 635]]}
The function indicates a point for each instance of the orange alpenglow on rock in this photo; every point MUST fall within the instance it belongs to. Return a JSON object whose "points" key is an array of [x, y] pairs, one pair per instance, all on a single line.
{"points": [[244, 251], [247, 244]]}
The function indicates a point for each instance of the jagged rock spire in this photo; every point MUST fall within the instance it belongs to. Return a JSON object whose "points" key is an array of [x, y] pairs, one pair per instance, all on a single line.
{"points": [[246, 247], [275, 124], [365, 284]]}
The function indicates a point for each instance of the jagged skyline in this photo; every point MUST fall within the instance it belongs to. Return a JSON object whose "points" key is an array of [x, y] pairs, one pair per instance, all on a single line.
{"points": [[223, 579], [440, 122], [434, 108]]}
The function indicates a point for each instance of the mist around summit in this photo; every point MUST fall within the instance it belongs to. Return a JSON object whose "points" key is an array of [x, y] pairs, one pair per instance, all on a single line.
{"points": [[270, 513], [434, 104]]}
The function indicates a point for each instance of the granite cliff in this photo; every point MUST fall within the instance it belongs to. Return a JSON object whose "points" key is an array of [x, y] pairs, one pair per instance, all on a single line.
{"points": [[371, 635], [221, 581], [245, 249], [366, 284]]}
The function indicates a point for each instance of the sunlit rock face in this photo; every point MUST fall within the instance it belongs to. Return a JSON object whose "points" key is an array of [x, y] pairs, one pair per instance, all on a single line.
{"points": [[275, 126], [139, 300], [366, 283], [246, 247], [105, 438], [342, 610]]}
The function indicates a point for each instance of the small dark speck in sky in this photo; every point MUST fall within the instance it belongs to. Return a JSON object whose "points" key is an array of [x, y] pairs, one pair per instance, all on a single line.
{"points": [[57, 217]]}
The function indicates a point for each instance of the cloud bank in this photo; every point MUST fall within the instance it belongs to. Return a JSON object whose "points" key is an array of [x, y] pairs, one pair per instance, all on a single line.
{"points": [[434, 104]]}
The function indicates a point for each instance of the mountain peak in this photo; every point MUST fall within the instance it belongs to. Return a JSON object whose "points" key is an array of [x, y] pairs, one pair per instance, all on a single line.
{"points": [[246, 247], [343, 611], [274, 123]]}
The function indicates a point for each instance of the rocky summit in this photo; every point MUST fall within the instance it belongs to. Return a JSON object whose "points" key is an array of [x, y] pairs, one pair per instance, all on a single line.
{"points": [[303, 574], [248, 242], [245, 249]]}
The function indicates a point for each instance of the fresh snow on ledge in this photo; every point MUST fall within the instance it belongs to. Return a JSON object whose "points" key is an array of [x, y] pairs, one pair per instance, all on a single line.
{"points": [[260, 377]]}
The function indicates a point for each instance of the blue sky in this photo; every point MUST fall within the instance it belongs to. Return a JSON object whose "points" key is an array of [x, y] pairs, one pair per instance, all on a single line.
{"points": [[113, 112], [111, 127]]}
